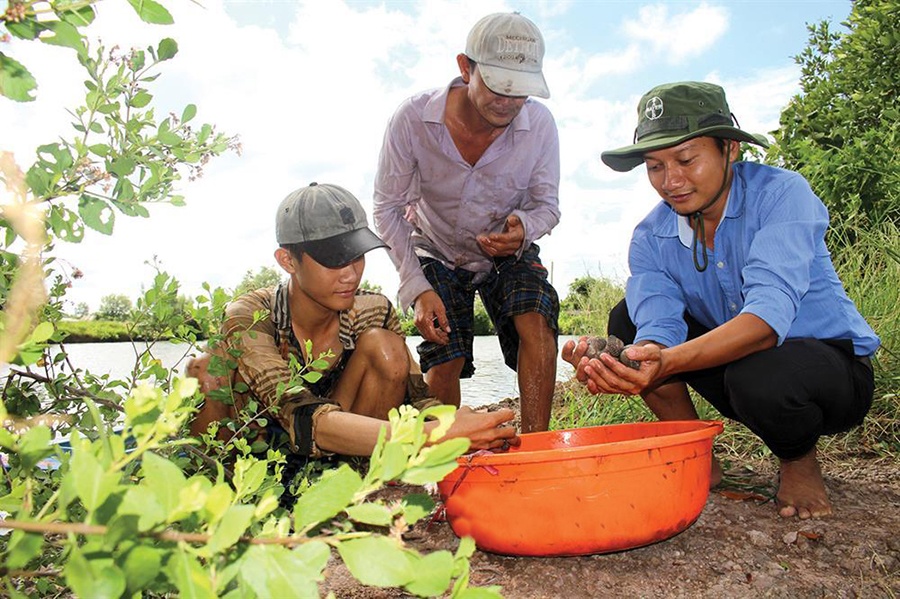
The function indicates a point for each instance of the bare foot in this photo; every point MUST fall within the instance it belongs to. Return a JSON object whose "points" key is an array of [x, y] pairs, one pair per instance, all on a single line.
{"points": [[802, 492], [715, 476]]}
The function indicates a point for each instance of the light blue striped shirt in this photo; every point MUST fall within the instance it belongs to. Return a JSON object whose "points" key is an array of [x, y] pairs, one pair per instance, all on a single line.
{"points": [[769, 260]]}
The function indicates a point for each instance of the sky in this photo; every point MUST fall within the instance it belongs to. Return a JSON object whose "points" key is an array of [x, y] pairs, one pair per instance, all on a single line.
{"points": [[309, 88]]}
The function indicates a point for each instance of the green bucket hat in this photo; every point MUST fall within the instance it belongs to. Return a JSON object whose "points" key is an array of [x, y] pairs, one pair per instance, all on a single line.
{"points": [[673, 113]]}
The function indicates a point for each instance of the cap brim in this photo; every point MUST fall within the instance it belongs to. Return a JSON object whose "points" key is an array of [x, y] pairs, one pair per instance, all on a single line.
{"points": [[507, 82], [626, 158], [343, 249]]}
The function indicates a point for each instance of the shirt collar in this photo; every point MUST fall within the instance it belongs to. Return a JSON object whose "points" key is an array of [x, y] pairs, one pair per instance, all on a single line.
{"points": [[734, 206]]}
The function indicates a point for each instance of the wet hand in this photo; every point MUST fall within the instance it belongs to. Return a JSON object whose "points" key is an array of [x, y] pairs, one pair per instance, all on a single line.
{"points": [[607, 374], [485, 429], [506, 243], [431, 318]]}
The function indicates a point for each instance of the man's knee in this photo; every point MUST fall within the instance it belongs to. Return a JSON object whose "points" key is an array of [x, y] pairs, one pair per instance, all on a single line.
{"points": [[620, 324], [385, 351], [212, 410], [198, 368]]}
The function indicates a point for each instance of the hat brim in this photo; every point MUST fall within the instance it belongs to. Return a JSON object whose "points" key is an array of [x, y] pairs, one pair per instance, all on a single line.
{"points": [[626, 158], [507, 82], [340, 250]]}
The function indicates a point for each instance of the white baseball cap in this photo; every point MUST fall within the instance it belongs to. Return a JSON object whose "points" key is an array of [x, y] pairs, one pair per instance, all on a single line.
{"points": [[509, 50]]}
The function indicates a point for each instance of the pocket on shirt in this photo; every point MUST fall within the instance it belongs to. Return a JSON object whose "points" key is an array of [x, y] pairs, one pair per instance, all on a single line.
{"points": [[507, 193]]}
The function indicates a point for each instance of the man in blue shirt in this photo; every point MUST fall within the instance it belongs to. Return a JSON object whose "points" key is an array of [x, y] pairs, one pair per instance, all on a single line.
{"points": [[733, 292]]}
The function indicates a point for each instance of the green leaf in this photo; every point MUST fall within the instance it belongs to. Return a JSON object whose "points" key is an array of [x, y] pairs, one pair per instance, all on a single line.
{"points": [[170, 138], [122, 166], [64, 34], [231, 527], [42, 332], [205, 131], [97, 214], [142, 565], [37, 179], [466, 548], [218, 501], [327, 498], [416, 506], [152, 12], [433, 474], [273, 571], [443, 453], [491, 592], [433, 574], [27, 29], [34, 446], [101, 150], [93, 578], [165, 479], [188, 576], [92, 484], [65, 224], [79, 16], [370, 513], [377, 561], [23, 547], [142, 502], [249, 475], [16, 83], [190, 111], [167, 48], [140, 99]]}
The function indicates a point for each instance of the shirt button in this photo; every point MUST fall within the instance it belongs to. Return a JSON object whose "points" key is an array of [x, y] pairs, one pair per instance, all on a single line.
{"points": [[734, 307], [720, 264]]}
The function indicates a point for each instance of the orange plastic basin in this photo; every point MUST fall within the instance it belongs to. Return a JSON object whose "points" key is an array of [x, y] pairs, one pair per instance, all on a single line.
{"points": [[582, 491]]}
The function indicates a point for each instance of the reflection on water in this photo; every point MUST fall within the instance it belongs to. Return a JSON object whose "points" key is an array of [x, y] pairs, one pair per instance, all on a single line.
{"points": [[491, 382]]}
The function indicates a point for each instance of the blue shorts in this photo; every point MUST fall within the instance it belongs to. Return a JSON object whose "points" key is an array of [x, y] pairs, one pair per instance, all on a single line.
{"points": [[513, 287]]}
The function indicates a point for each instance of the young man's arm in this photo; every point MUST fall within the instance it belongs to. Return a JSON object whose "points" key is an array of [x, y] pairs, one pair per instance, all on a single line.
{"points": [[351, 434]]}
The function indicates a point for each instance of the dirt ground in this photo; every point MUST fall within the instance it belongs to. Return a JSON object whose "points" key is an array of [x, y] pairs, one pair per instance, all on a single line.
{"points": [[738, 547]]}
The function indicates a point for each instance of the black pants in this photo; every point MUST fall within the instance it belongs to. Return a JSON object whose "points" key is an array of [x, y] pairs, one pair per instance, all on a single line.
{"points": [[788, 395]]}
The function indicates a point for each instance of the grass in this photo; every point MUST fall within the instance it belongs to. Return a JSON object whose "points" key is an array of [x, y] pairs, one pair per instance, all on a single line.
{"points": [[79, 331]]}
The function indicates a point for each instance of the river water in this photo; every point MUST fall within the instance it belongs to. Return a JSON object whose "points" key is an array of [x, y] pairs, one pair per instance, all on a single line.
{"points": [[491, 382]]}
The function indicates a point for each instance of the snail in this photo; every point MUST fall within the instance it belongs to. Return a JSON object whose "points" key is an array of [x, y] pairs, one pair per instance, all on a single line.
{"points": [[611, 345]]}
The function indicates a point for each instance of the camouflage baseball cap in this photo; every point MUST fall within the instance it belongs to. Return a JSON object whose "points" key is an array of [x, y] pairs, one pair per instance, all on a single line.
{"points": [[328, 223], [673, 113]]}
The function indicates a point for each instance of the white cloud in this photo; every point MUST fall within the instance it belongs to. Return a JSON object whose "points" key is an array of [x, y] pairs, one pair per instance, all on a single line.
{"points": [[675, 36]]}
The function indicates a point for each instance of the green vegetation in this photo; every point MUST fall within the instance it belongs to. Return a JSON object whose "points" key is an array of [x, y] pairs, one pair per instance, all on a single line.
{"points": [[266, 276], [115, 307], [843, 130], [587, 305], [134, 508], [80, 331]]}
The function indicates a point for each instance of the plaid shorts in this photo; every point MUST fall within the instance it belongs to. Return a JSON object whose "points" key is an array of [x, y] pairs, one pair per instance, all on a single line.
{"points": [[513, 287]]}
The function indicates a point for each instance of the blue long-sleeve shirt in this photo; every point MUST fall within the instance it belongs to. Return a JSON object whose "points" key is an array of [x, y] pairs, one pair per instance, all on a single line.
{"points": [[769, 260]]}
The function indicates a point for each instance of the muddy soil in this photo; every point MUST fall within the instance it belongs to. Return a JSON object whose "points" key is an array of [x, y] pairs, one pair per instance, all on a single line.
{"points": [[738, 547]]}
